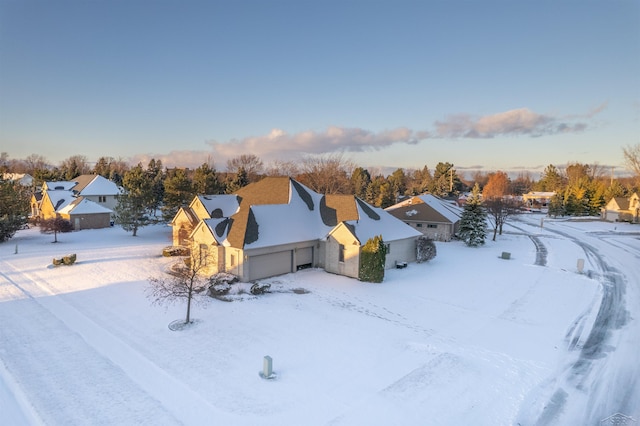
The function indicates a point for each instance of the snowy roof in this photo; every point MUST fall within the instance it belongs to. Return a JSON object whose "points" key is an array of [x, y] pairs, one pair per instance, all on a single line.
{"points": [[227, 204], [85, 185], [95, 185], [376, 221], [82, 205], [280, 210], [60, 198], [411, 207], [58, 186]]}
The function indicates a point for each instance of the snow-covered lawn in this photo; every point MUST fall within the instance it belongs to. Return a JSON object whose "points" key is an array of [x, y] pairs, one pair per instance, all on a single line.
{"points": [[467, 338]]}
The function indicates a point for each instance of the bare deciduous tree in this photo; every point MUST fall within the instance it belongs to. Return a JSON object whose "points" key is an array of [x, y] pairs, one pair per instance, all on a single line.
{"points": [[499, 210], [184, 283], [327, 174], [632, 159]]}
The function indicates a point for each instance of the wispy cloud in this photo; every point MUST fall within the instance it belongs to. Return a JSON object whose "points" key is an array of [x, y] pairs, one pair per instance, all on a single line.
{"points": [[278, 144], [515, 122]]}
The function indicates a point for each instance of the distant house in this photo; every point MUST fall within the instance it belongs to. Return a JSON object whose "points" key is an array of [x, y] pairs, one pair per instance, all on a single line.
{"points": [[537, 200], [434, 217], [85, 201], [23, 179], [621, 209], [277, 226]]}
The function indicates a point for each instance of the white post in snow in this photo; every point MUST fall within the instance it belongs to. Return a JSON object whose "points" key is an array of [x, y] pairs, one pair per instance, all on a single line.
{"points": [[267, 367], [580, 265], [542, 222]]}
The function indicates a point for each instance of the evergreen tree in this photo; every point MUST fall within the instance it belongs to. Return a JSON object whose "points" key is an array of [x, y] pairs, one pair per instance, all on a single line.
{"points": [[386, 196], [372, 260], [360, 180], [178, 192], [239, 181], [551, 180], [157, 176], [14, 208], [398, 181], [205, 180], [133, 204], [556, 206], [473, 221]]}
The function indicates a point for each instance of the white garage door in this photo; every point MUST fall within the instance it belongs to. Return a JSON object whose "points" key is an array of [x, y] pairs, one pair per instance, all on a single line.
{"points": [[268, 265]]}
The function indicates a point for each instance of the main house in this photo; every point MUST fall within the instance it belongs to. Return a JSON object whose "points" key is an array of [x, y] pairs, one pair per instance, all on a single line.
{"points": [[87, 201], [621, 209], [277, 225], [431, 215]]}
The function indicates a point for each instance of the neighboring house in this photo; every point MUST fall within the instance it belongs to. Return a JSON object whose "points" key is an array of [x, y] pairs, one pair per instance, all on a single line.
{"points": [[277, 226], [86, 199], [23, 179], [434, 217], [537, 201], [621, 209], [85, 214]]}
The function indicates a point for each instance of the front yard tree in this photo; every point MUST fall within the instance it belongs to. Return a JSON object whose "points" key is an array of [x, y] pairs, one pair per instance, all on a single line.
{"points": [[184, 283], [473, 221], [14, 208], [498, 211], [54, 225], [133, 205]]}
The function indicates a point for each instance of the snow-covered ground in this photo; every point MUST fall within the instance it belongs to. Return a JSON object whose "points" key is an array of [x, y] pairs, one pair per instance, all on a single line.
{"points": [[467, 338]]}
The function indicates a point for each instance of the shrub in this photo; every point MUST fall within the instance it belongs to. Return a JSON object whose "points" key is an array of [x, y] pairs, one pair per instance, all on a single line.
{"points": [[171, 251], [426, 249], [372, 259], [259, 288], [220, 284]]}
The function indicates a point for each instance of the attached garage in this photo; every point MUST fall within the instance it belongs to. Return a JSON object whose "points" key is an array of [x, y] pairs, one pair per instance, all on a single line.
{"points": [[271, 264]]}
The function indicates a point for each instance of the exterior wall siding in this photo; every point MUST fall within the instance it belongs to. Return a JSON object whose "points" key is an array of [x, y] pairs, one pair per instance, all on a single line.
{"points": [[401, 251]]}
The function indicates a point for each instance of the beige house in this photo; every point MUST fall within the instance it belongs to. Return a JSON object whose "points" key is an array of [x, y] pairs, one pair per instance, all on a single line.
{"points": [[86, 200], [537, 201], [431, 215], [621, 209], [277, 226]]}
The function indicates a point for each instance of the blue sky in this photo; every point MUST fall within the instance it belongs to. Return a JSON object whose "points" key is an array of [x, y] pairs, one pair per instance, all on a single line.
{"points": [[506, 85]]}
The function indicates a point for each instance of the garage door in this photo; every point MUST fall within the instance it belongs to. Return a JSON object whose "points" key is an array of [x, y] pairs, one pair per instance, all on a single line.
{"points": [[304, 258], [268, 265]]}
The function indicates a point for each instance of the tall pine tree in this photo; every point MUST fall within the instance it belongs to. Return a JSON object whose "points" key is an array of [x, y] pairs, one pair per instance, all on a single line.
{"points": [[473, 226], [133, 205]]}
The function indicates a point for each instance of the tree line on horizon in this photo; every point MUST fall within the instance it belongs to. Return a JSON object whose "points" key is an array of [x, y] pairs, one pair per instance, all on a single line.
{"points": [[581, 189]]}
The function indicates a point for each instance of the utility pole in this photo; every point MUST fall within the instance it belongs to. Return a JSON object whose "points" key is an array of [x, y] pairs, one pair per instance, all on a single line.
{"points": [[451, 179]]}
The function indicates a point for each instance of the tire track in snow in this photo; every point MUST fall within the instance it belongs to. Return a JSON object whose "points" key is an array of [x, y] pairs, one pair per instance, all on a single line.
{"points": [[173, 395], [586, 372]]}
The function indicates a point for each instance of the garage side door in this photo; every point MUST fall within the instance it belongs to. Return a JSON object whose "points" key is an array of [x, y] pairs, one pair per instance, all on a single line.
{"points": [[304, 257], [268, 265]]}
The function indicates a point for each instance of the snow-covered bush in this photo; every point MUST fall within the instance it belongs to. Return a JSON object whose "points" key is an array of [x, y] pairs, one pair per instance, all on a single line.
{"points": [[220, 284], [426, 249], [175, 251], [259, 288]]}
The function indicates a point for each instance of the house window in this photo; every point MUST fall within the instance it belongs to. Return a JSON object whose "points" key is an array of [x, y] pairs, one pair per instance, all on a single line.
{"points": [[387, 247], [204, 254], [432, 226], [418, 225], [341, 253], [102, 198], [232, 260]]}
